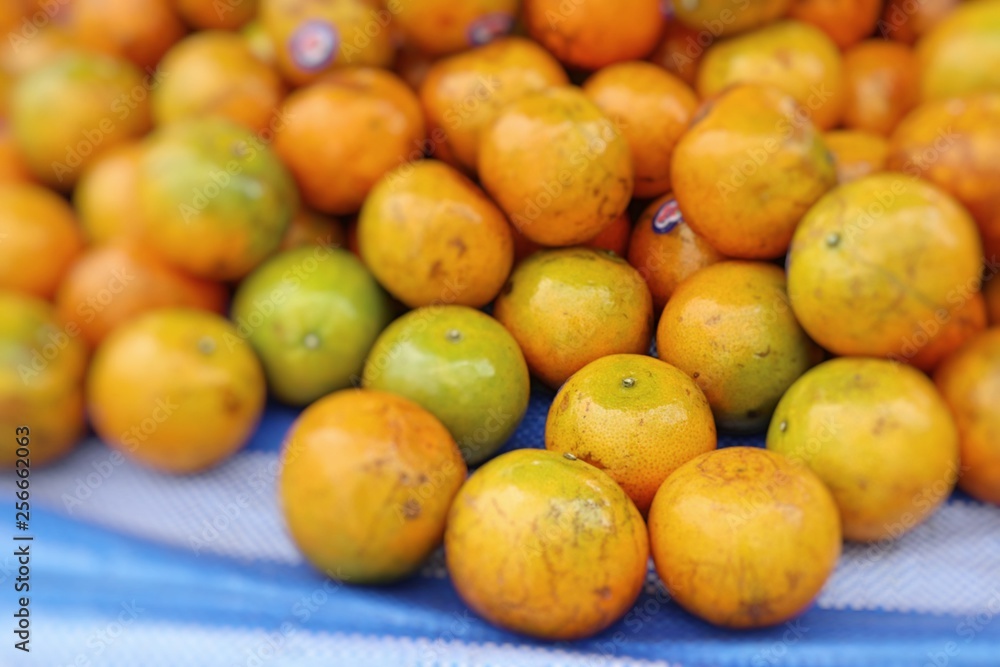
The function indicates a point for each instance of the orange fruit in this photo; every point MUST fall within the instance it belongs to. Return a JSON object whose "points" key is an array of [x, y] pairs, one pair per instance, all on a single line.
{"points": [[614, 238], [875, 259], [462, 94], [846, 22], [462, 366], [225, 206], [546, 545], [958, 56], [856, 153], [991, 292], [68, 112], [309, 228], [312, 314], [431, 236], [568, 307], [969, 381], [906, 21], [590, 34], [39, 239], [720, 18], [748, 169], [681, 50], [365, 485], [28, 49], [168, 392], [112, 284], [653, 108], [880, 438], [313, 37], [955, 144], [13, 168], [216, 74], [881, 79], [665, 250], [224, 15], [794, 57], [378, 125], [139, 30], [105, 197], [440, 27], [951, 329], [557, 166], [730, 328], [743, 538], [634, 417], [41, 381]]}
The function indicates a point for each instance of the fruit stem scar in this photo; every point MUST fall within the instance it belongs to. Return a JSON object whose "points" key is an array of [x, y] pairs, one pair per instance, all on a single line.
{"points": [[569, 456], [454, 335], [833, 239], [206, 345], [628, 382], [783, 426], [311, 341]]}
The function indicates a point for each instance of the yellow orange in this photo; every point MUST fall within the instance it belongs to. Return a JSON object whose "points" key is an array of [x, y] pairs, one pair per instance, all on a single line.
{"points": [[881, 79], [440, 27]]}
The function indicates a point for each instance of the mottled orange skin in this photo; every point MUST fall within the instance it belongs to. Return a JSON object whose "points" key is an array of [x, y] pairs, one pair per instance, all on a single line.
{"points": [[39, 239], [905, 21], [878, 258], [216, 74], [42, 366], [634, 417], [955, 144], [958, 56], [557, 166], [991, 293], [965, 319], [846, 22], [728, 17], [882, 80], [614, 238], [878, 435], [73, 109], [794, 57], [139, 30], [969, 381], [170, 391], [856, 153], [431, 236], [462, 94], [680, 52], [570, 306], [653, 108], [590, 34], [729, 327], [115, 283], [748, 169], [440, 27], [105, 197], [225, 15], [665, 258], [546, 546], [312, 228], [378, 124], [743, 538], [282, 19], [366, 481]]}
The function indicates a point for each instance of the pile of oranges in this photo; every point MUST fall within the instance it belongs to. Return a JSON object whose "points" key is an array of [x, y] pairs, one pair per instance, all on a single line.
{"points": [[395, 213]]}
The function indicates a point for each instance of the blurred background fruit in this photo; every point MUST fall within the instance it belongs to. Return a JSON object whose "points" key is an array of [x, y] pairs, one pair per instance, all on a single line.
{"points": [[729, 17], [106, 197], [138, 30], [846, 22], [957, 56], [222, 15], [440, 27], [881, 85]]}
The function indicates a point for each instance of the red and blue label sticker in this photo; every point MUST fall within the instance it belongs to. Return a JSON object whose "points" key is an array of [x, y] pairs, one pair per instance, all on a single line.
{"points": [[314, 44], [487, 28], [667, 217]]}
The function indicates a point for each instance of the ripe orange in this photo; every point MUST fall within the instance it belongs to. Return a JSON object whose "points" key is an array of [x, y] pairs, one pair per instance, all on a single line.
{"points": [[223, 15], [568, 307], [665, 250], [216, 74], [440, 27], [794, 57], [730, 328], [634, 417], [105, 197], [546, 545], [112, 284], [964, 318], [311, 228], [969, 381], [856, 153], [958, 56], [139, 30], [845, 21], [558, 167], [378, 125], [653, 108], [365, 485], [39, 239], [462, 366], [168, 392], [431, 236], [906, 21], [590, 34], [878, 435], [462, 94], [743, 538], [881, 79], [721, 18], [41, 380], [874, 260], [748, 169]]}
